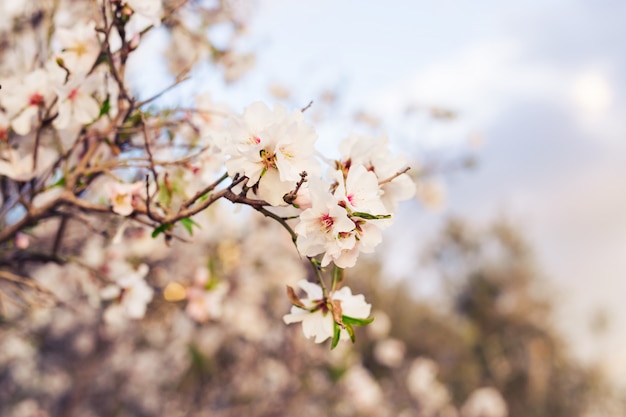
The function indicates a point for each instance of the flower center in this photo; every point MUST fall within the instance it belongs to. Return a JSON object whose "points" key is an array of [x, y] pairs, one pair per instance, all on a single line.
{"points": [[73, 94], [268, 159], [35, 100], [80, 49], [326, 221]]}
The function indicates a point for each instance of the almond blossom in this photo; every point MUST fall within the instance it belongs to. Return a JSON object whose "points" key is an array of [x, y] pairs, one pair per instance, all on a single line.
{"points": [[77, 107], [122, 196], [345, 223], [325, 227], [271, 148], [375, 155], [25, 99], [79, 45], [131, 295], [145, 13], [315, 311]]}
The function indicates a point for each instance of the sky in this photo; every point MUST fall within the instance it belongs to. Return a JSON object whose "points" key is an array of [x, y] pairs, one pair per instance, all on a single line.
{"points": [[538, 84]]}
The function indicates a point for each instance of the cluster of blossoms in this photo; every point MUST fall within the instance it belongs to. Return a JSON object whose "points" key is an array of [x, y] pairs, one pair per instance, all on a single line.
{"points": [[75, 144]]}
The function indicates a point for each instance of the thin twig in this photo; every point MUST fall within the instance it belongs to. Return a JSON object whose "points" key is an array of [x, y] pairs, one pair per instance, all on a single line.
{"points": [[179, 80], [394, 176], [305, 108]]}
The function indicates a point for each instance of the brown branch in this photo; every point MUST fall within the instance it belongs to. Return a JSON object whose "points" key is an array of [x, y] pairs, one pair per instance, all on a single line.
{"points": [[179, 80], [149, 152], [204, 191], [305, 108], [59, 235], [394, 176]]}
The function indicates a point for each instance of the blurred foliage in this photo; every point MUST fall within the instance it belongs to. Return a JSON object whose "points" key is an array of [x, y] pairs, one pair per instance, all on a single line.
{"points": [[496, 330], [493, 331]]}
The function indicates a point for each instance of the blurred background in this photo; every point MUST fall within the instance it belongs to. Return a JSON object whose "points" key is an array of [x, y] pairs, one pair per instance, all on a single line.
{"points": [[505, 273], [531, 89]]}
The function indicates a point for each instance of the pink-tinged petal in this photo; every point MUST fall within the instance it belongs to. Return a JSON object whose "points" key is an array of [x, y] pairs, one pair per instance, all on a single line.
{"points": [[347, 258]]}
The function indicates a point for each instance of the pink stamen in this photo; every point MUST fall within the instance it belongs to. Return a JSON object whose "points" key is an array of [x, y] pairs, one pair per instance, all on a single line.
{"points": [[35, 100], [73, 94], [327, 222]]}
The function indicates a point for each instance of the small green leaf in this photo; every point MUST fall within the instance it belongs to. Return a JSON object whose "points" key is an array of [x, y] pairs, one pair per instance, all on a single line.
{"points": [[368, 216], [59, 183], [161, 229], [336, 335], [105, 108], [350, 331], [357, 322], [188, 224]]}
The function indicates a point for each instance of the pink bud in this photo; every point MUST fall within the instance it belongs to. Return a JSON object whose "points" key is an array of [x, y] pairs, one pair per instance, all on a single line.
{"points": [[303, 199]]}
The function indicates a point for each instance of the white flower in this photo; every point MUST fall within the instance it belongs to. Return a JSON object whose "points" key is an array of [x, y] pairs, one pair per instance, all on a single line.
{"points": [[145, 13], [271, 148], [24, 99], [345, 223], [361, 194], [131, 294], [122, 195], [325, 227], [316, 317], [77, 106], [79, 47], [360, 191], [375, 155]]}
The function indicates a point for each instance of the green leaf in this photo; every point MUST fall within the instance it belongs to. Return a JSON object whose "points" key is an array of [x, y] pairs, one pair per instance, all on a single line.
{"points": [[105, 108], [336, 334], [188, 224], [350, 331], [357, 322], [59, 183], [161, 229], [102, 58], [368, 216]]}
